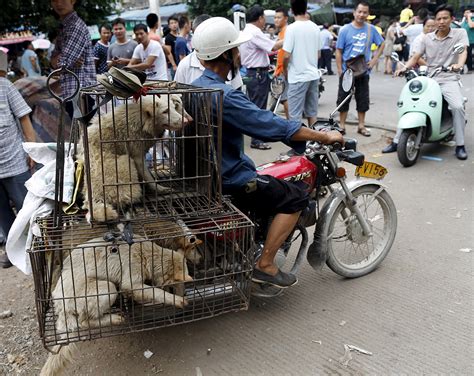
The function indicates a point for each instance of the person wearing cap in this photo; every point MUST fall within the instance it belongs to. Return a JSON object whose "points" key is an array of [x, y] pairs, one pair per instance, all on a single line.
{"points": [[15, 165], [148, 56], [216, 42], [254, 55]]}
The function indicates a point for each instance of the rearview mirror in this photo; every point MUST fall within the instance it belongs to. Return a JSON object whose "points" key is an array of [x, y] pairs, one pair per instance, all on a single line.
{"points": [[458, 48], [394, 57], [347, 80]]}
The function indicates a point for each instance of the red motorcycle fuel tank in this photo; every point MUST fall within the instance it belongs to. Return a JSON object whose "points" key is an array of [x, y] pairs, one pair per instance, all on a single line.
{"points": [[294, 169]]}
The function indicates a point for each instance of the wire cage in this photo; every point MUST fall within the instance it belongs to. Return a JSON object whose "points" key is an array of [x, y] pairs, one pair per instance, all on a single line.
{"points": [[160, 151], [156, 243], [90, 283]]}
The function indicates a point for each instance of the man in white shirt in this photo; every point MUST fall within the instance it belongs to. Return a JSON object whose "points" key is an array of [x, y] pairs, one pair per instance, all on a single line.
{"points": [[190, 68], [148, 56], [326, 50], [301, 46], [254, 57]]}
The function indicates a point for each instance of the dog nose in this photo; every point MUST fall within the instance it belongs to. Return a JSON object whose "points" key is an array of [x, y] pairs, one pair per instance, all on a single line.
{"points": [[187, 119]]}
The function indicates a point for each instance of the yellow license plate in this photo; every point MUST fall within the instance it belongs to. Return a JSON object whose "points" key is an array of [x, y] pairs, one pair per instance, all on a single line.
{"points": [[371, 170]]}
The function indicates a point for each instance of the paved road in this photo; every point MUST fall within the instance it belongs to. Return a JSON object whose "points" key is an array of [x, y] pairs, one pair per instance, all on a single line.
{"points": [[414, 313]]}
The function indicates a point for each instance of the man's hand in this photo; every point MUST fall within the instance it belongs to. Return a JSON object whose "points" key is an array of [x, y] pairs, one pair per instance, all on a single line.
{"points": [[400, 72], [333, 137], [371, 63], [455, 68], [31, 164]]}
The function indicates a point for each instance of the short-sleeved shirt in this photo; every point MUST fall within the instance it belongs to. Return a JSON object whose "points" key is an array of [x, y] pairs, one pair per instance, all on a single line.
{"points": [[254, 53], [240, 116], [121, 50], [26, 63], [412, 32], [190, 69], [170, 40], [353, 41], [326, 39], [158, 70], [406, 15], [100, 54], [469, 30], [302, 41], [180, 48], [280, 54], [12, 107], [75, 52], [438, 52]]}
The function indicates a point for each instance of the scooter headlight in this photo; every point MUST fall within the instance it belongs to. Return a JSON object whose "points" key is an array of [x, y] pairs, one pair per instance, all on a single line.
{"points": [[415, 86]]}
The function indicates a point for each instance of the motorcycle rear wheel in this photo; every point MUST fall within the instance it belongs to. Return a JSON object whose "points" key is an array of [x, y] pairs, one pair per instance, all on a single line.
{"points": [[350, 252], [407, 149]]}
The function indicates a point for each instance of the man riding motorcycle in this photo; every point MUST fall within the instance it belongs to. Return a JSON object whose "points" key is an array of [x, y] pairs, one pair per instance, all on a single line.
{"points": [[216, 43], [437, 47]]}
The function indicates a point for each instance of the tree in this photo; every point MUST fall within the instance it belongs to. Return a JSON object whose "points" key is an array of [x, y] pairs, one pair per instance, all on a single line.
{"points": [[37, 14], [222, 7]]}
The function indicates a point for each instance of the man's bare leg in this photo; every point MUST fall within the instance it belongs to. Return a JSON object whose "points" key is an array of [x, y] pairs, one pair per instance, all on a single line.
{"points": [[279, 230], [285, 107], [312, 120], [361, 116], [342, 119]]}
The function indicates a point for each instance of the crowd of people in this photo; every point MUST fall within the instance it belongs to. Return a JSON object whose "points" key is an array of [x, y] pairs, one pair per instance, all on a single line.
{"points": [[301, 49]]}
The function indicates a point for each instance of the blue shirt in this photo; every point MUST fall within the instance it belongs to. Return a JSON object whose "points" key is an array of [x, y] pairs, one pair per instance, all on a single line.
{"points": [[180, 48], [240, 116], [353, 41]]}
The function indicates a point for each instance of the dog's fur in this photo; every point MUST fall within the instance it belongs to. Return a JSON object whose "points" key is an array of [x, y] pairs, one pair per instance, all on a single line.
{"points": [[91, 274], [133, 130], [179, 238]]}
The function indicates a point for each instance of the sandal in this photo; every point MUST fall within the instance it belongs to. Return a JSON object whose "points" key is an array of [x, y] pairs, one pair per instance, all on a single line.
{"points": [[342, 131], [261, 146], [364, 132]]}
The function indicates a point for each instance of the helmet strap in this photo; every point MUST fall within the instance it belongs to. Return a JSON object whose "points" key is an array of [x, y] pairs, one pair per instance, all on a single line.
{"points": [[230, 60]]}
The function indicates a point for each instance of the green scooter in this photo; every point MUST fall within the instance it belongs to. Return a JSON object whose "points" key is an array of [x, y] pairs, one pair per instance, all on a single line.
{"points": [[423, 113]]}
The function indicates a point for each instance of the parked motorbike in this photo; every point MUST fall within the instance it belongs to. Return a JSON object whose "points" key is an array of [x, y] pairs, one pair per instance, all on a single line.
{"points": [[356, 225], [424, 115]]}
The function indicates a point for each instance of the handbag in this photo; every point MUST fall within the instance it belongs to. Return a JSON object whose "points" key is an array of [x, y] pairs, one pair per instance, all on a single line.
{"points": [[401, 39], [357, 64]]}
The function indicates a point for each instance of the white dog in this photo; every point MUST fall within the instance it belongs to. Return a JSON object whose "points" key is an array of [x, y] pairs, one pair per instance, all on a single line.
{"points": [[91, 278], [118, 142]]}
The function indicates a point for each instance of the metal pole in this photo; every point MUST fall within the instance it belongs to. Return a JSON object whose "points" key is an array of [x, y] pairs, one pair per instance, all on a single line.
{"points": [[154, 6]]}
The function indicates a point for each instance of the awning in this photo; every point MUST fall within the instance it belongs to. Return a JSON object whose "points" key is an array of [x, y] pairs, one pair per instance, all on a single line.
{"points": [[6, 41]]}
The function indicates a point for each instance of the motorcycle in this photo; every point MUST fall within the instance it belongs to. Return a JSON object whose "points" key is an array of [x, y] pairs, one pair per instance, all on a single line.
{"points": [[278, 86], [356, 225], [424, 115]]}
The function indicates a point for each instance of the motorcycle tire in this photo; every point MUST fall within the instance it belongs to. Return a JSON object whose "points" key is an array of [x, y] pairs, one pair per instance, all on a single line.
{"points": [[407, 151], [344, 228]]}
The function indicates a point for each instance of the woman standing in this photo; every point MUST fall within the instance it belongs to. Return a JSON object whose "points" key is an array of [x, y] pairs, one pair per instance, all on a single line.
{"points": [[389, 39]]}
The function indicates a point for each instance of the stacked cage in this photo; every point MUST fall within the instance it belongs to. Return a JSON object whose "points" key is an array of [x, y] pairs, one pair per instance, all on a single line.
{"points": [[154, 242]]}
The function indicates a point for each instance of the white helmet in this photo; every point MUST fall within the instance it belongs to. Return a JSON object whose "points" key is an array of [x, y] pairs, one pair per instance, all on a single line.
{"points": [[215, 36]]}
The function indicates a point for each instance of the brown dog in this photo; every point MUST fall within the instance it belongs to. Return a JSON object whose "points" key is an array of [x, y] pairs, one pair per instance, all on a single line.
{"points": [[95, 272], [118, 142]]}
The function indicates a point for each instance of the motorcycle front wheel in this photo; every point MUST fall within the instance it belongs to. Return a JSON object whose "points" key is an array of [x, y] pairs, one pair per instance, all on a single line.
{"points": [[407, 150], [350, 252]]}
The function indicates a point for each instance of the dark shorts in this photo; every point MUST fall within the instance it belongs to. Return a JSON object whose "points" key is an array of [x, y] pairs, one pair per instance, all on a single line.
{"points": [[267, 195], [361, 85]]}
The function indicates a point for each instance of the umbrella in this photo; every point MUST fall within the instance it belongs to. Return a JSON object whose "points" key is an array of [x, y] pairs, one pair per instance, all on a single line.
{"points": [[41, 44]]}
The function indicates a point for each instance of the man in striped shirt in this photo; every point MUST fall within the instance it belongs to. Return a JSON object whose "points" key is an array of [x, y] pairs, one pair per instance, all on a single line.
{"points": [[73, 50]]}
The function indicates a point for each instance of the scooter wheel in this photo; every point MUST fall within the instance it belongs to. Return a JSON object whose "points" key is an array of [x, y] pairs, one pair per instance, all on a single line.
{"points": [[408, 151]]}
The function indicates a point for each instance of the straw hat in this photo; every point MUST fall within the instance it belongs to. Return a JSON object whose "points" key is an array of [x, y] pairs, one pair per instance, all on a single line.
{"points": [[122, 83]]}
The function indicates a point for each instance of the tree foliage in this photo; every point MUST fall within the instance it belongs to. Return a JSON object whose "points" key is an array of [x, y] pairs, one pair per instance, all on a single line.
{"points": [[38, 15], [222, 7]]}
